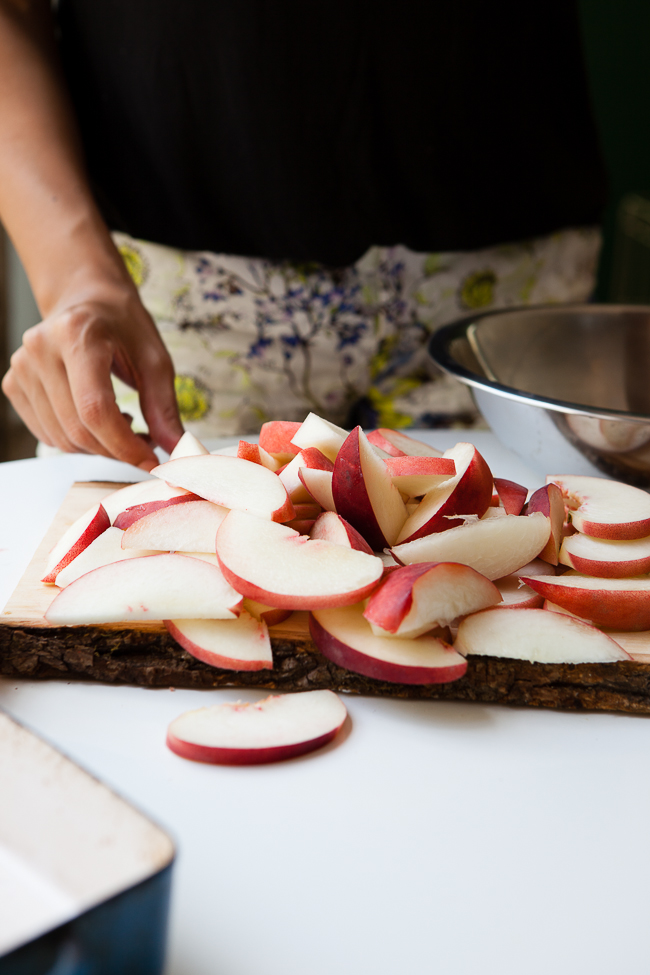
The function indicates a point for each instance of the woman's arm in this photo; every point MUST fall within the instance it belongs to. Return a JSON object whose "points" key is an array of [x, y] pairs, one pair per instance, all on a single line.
{"points": [[93, 320]]}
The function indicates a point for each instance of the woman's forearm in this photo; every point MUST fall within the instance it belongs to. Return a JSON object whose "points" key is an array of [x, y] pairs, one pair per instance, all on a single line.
{"points": [[93, 321], [46, 203]]}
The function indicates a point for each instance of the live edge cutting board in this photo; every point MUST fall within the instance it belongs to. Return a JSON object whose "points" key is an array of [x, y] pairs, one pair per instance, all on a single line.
{"points": [[145, 654]]}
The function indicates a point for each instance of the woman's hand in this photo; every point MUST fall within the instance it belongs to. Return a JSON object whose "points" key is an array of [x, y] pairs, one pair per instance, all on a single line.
{"points": [[59, 380], [94, 322]]}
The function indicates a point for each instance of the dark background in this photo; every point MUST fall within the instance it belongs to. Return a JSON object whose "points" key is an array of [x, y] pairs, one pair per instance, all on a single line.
{"points": [[617, 50]]}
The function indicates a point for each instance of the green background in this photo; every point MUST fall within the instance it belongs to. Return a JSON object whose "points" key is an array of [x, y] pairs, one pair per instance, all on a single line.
{"points": [[616, 37]]}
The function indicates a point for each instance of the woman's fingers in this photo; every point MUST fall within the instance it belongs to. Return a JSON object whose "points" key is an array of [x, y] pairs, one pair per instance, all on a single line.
{"points": [[146, 365], [158, 399], [94, 402], [21, 403], [60, 381], [56, 390], [28, 395]]}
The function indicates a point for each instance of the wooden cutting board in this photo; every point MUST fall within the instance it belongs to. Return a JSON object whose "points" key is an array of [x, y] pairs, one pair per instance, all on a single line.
{"points": [[145, 654]]}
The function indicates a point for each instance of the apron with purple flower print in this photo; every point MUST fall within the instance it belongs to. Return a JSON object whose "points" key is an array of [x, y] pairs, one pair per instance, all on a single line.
{"points": [[253, 340]]}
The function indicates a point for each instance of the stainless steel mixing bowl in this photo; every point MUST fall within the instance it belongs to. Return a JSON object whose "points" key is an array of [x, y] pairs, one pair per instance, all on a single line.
{"points": [[567, 387]]}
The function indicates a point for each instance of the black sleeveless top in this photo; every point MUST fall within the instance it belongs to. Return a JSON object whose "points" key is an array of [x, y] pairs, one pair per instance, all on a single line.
{"points": [[312, 130]]}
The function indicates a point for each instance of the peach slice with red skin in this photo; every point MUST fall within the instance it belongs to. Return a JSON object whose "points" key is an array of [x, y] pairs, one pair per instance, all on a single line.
{"points": [[279, 727], [548, 500], [190, 527], [416, 598], [345, 637], [309, 457], [72, 543], [270, 615], [188, 446], [414, 476], [104, 550], [378, 440], [231, 482], [275, 565], [257, 455], [241, 644], [515, 593], [320, 433], [511, 495], [603, 508], [141, 492], [495, 547], [605, 558], [364, 493], [617, 604], [152, 588], [130, 515], [537, 636], [399, 444], [319, 486], [469, 492], [275, 438], [333, 528]]}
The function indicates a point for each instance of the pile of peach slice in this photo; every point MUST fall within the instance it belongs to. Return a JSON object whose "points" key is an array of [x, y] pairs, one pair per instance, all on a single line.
{"points": [[407, 559]]}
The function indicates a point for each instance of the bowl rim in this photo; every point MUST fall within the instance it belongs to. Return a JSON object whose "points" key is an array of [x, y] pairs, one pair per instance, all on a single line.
{"points": [[441, 339]]}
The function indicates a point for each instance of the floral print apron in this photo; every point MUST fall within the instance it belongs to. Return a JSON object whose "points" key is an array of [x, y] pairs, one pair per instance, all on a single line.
{"points": [[253, 340]]}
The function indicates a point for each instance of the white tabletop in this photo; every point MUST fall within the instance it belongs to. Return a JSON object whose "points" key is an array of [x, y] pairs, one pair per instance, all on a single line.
{"points": [[437, 837]]}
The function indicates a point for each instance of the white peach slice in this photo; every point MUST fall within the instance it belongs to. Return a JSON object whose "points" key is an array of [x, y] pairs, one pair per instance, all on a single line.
{"points": [[153, 588], [78, 537], [554, 608], [537, 636], [494, 512], [140, 493], [130, 515], [319, 486], [188, 446], [270, 615], [379, 442], [320, 433], [549, 501], [364, 493], [469, 492], [332, 528], [511, 495], [603, 508], [495, 547], [415, 598], [279, 727], [414, 476], [231, 482], [230, 450], [210, 557], [275, 565], [190, 527], [241, 644], [344, 636], [257, 455], [618, 604], [397, 443], [106, 548], [515, 593], [309, 457], [602, 557], [536, 567], [275, 438]]}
